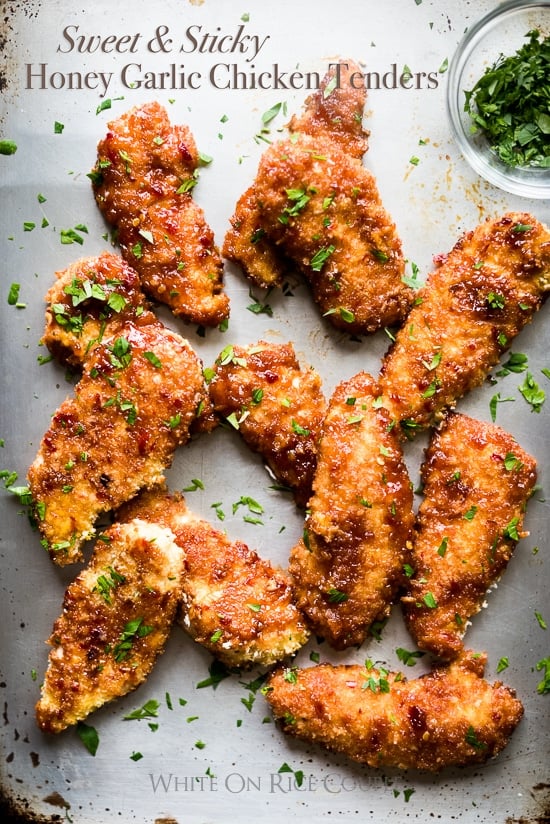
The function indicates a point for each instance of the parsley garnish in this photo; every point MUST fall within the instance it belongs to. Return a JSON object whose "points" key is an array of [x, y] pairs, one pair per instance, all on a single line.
{"points": [[509, 104], [321, 256], [89, 737], [132, 630], [533, 394]]}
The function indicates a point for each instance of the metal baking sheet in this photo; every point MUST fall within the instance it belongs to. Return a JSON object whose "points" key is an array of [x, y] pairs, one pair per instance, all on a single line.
{"points": [[215, 756]]}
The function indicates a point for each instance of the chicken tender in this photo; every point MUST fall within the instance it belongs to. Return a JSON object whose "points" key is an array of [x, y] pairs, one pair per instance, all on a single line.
{"points": [[88, 302], [143, 181], [235, 604], [116, 619], [349, 564], [450, 717], [314, 205], [138, 396], [477, 481], [277, 407], [470, 310]]}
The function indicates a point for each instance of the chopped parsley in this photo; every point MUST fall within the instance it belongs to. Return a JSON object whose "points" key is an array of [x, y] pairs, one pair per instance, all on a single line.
{"points": [[321, 256], [132, 630], [89, 737], [533, 394], [509, 104]]}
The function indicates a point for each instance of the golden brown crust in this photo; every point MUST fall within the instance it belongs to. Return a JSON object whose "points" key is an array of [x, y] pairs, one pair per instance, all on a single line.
{"points": [[89, 301], [476, 482], [277, 406], [470, 310], [450, 717], [142, 180], [116, 618], [234, 603], [314, 205], [349, 564], [137, 398]]}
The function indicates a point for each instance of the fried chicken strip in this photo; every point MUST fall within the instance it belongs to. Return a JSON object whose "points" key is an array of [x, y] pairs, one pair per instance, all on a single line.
{"points": [[476, 481], [89, 301], [349, 564], [143, 180], [234, 603], [315, 205], [450, 717], [116, 618], [472, 307], [138, 396], [277, 406]]}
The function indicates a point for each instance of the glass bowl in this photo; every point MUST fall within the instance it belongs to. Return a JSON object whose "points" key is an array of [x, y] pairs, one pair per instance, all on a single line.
{"points": [[500, 32]]}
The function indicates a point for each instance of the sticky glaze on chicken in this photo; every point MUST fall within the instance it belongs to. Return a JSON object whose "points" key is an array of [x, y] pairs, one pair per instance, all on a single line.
{"points": [[349, 564], [143, 180], [472, 307], [314, 207], [277, 407], [138, 397], [235, 604], [117, 615], [450, 717], [88, 302], [476, 484]]}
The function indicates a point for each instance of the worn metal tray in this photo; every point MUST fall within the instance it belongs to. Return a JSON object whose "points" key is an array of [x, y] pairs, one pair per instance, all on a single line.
{"points": [[211, 754]]}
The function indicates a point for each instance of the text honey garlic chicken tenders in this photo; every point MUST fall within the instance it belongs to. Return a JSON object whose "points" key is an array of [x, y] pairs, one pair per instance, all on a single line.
{"points": [[349, 563], [476, 484], [277, 407], [139, 394], [235, 604], [143, 181], [116, 619], [450, 717], [88, 302], [472, 307], [315, 207]]}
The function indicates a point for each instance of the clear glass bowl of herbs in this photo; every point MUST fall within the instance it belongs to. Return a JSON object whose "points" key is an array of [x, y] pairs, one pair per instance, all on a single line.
{"points": [[498, 97]]}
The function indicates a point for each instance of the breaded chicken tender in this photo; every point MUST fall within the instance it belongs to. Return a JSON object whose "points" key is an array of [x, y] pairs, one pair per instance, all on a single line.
{"points": [[88, 302], [116, 618], [277, 407], [349, 564], [472, 307], [143, 180], [235, 604], [450, 717], [476, 482], [313, 206], [138, 396]]}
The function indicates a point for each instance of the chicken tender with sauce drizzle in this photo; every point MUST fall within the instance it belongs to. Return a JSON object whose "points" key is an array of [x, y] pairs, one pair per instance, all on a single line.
{"points": [[277, 407], [349, 564], [448, 718], [472, 307], [116, 619], [143, 180], [476, 482], [313, 206], [139, 394], [88, 302], [235, 604]]}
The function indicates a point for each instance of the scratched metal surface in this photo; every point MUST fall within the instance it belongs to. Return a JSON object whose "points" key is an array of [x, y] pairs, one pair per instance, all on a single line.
{"points": [[235, 775]]}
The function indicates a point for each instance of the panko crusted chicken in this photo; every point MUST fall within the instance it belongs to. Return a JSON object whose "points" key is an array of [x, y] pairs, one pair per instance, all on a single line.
{"points": [[139, 394], [116, 619], [450, 717], [235, 604], [143, 181], [88, 302], [277, 407], [476, 484], [348, 565], [472, 307], [313, 206]]}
